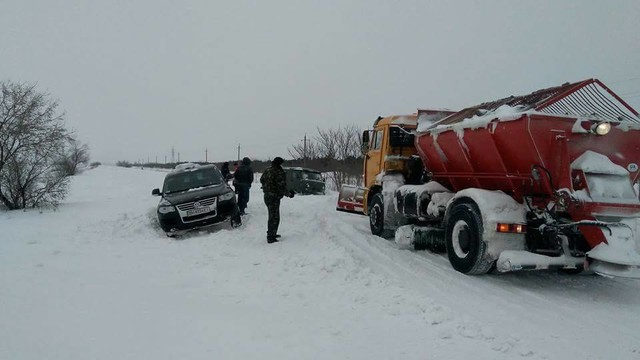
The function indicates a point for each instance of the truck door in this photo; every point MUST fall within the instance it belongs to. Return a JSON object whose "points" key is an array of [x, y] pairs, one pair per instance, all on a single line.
{"points": [[373, 163]]}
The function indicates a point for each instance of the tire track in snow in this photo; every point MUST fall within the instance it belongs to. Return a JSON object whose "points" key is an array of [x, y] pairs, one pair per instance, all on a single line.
{"points": [[519, 302], [378, 254]]}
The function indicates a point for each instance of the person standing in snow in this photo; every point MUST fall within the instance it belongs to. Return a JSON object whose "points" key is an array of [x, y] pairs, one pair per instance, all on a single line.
{"points": [[235, 168], [226, 173], [242, 178], [274, 186]]}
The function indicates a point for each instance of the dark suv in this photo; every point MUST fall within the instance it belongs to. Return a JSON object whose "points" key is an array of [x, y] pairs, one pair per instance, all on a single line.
{"points": [[195, 196], [304, 181]]}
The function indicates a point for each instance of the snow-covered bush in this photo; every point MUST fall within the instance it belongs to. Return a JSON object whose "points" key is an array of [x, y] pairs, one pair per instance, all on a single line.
{"points": [[32, 141]]}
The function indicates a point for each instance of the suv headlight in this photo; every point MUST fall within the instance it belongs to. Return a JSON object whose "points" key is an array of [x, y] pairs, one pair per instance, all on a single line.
{"points": [[227, 196], [165, 207]]}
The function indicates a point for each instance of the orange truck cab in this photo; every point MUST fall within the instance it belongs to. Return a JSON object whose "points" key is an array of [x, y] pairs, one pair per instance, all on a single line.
{"points": [[390, 148]]}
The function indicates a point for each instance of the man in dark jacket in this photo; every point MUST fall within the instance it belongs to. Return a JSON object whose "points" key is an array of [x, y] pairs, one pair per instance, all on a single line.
{"points": [[226, 173], [274, 186], [243, 177]]}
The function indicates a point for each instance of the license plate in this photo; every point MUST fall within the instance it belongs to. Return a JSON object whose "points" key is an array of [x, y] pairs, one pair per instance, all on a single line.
{"points": [[199, 211]]}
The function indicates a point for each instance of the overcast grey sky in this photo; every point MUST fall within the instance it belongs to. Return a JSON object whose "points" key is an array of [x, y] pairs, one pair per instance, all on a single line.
{"points": [[138, 77]]}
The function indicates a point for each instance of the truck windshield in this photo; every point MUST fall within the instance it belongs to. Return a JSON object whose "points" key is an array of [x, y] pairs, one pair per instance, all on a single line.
{"points": [[307, 175], [191, 179], [400, 137]]}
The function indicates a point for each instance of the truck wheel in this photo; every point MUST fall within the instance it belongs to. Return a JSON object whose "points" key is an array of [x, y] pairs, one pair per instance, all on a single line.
{"points": [[376, 217], [465, 247]]}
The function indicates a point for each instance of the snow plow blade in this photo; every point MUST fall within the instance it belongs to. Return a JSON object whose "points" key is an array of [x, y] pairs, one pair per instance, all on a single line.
{"points": [[608, 269], [619, 256], [351, 199]]}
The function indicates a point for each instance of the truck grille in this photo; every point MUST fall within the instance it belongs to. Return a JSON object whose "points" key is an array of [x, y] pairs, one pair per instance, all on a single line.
{"points": [[190, 206]]}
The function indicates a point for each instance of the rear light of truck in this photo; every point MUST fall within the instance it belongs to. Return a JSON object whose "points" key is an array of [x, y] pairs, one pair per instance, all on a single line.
{"points": [[511, 228]]}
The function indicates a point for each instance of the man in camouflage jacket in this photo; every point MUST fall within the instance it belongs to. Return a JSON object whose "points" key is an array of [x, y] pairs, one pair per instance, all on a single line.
{"points": [[274, 186], [242, 180]]}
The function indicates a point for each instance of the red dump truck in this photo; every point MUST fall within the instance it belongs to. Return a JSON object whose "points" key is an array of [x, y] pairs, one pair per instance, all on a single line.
{"points": [[545, 180]]}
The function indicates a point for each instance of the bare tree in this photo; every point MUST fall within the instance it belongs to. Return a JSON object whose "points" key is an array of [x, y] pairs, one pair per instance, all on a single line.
{"points": [[299, 151], [338, 149], [342, 145], [75, 156], [32, 140], [326, 140], [33, 179], [347, 140]]}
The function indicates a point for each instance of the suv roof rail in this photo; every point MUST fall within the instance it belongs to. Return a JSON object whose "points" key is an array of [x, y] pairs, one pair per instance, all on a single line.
{"points": [[186, 166]]}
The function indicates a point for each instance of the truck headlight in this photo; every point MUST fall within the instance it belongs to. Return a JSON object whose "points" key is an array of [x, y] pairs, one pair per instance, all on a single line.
{"points": [[602, 128], [227, 196]]}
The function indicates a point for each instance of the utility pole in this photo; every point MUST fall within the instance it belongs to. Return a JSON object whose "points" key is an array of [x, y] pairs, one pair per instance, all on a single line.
{"points": [[165, 159], [173, 154], [238, 152], [178, 156], [304, 155], [206, 155]]}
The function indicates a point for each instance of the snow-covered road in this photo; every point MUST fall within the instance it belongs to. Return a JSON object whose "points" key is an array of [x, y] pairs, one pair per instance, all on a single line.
{"points": [[97, 279]]}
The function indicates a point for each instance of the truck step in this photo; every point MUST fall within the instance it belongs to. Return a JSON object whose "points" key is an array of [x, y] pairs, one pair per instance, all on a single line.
{"points": [[513, 260]]}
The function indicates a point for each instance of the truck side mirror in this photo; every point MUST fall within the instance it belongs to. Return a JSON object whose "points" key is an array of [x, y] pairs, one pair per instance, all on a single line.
{"points": [[365, 137], [155, 192], [365, 140]]}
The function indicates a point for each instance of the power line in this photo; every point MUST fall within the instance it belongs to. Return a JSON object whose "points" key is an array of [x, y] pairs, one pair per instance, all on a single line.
{"points": [[625, 80], [631, 93]]}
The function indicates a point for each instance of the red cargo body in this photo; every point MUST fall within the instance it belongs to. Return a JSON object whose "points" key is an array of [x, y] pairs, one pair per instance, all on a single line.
{"points": [[503, 155], [508, 154]]}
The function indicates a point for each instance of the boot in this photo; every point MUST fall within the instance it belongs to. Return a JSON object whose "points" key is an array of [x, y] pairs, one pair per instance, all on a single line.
{"points": [[271, 240]]}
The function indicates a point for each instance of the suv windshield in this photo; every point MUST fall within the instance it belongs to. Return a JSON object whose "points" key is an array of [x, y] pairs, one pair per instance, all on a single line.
{"points": [[191, 179]]}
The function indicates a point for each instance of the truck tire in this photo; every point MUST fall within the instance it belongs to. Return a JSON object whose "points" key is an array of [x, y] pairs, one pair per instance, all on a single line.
{"points": [[465, 247], [376, 217]]}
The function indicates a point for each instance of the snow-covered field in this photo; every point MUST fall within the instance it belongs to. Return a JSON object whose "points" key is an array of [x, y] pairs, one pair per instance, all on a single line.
{"points": [[97, 279]]}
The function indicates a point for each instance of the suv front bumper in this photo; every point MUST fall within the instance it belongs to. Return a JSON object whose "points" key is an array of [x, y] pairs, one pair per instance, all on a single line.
{"points": [[172, 222]]}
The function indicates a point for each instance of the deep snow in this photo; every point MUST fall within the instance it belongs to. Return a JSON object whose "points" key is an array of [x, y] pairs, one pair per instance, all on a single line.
{"points": [[97, 279]]}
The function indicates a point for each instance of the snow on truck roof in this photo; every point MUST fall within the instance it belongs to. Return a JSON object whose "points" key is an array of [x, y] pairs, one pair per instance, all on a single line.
{"points": [[403, 120], [409, 120], [412, 120], [589, 99]]}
